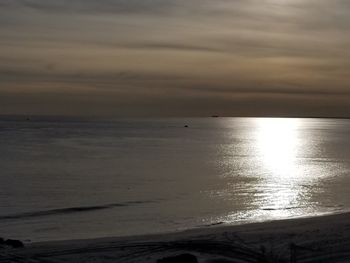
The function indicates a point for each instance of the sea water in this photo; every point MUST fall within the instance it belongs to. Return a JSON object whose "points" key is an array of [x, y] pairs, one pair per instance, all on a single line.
{"points": [[72, 179]]}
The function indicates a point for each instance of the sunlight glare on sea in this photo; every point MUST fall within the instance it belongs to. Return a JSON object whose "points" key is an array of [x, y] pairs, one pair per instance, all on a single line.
{"points": [[278, 146], [286, 166]]}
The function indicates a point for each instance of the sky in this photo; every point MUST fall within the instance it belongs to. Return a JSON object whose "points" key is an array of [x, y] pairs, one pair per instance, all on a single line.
{"points": [[175, 57]]}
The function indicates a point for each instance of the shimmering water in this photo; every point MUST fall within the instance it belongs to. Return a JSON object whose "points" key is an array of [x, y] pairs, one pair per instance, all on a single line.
{"points": [[85, 179]]}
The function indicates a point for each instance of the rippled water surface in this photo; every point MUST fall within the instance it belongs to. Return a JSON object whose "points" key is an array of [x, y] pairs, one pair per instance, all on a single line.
{"points": [[85, 179]]}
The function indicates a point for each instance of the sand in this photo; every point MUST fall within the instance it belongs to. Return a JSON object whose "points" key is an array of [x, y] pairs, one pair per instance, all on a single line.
{"points": [[316, 239]]}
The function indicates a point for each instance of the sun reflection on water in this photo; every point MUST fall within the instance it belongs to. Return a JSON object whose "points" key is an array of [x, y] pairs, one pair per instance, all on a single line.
{"points": [[275, 188], [277, 146], [278, 168], [277, 150]]}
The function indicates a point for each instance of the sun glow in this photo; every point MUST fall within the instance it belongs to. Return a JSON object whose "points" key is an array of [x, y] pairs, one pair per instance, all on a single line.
{"points": [[273, 170], [277, 142], [277, 150]]}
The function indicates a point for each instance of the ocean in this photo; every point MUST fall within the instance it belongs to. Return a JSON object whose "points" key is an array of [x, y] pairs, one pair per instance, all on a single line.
{"points": [[73, 179]]}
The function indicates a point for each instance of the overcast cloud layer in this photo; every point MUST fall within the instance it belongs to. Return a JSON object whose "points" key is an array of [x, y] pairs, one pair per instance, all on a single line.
{"points": [[175, 57]]}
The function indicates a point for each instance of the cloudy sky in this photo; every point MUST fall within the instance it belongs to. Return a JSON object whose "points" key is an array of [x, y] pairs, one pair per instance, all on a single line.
{"points": [[175, 57]]}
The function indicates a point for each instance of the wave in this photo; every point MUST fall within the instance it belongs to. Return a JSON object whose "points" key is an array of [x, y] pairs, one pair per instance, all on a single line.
{"points": [[70, 210], [280, 208]]}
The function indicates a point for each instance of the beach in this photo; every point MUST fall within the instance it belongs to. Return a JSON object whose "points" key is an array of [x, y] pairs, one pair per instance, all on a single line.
{"points": [[313, 239]]}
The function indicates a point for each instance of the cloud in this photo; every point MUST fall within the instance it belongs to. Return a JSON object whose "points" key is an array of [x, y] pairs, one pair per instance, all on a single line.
{"points": [[177, 48], [91, 6]]}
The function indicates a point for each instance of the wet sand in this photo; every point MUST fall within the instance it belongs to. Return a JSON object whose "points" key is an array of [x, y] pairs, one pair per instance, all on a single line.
{"points": [[316, 239]]}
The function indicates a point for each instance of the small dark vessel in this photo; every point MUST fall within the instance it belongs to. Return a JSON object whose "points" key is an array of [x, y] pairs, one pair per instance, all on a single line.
{"points": [[12, 243]]}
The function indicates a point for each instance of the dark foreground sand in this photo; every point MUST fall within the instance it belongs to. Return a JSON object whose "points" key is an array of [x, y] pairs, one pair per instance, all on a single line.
{"points": [[318, 239]]}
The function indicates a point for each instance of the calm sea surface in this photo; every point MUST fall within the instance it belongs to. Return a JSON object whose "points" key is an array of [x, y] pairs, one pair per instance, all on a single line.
{"points": [[85, 179]]}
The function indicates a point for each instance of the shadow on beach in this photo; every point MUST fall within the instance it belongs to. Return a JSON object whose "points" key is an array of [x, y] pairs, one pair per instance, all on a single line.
{"points": [[318, 239]]}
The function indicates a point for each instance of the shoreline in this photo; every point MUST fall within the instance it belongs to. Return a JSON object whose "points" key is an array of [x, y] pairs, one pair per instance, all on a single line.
{"points": [[199, 228], [319, 238]]}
